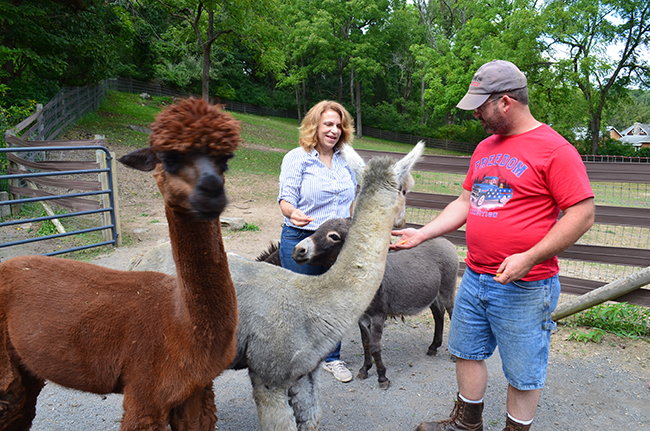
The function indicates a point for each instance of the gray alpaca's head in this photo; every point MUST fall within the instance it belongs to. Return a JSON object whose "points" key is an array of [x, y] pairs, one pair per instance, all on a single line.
{"points": [[383, 173]]}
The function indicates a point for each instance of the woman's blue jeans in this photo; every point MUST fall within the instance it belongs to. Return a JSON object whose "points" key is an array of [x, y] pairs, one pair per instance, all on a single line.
{"points": [[291, 236]]}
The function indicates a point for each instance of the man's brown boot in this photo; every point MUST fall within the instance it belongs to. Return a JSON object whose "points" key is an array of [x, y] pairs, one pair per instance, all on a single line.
{"points": [[515, 426], [464, 416]]}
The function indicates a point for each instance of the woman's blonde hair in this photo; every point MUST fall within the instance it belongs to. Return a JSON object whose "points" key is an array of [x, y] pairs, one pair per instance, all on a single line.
{"points": [[309, 126]]}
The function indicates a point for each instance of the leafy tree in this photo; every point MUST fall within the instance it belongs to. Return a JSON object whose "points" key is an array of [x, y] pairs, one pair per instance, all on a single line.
{"points": [[582, 30], [632, 108], [402, 73], [330, 41], [462, 36], [45, 45], [213, 20]]}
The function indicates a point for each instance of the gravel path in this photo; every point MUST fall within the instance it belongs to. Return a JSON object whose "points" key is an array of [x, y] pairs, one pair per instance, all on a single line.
{"points": [[589, 387], [581, 394]]}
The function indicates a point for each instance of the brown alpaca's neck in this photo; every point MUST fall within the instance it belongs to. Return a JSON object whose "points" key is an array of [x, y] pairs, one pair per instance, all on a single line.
{"points": [[201, 263]]}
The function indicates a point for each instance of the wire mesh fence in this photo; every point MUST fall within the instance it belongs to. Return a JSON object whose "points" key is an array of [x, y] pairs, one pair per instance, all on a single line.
{"points": [[615, 194]]}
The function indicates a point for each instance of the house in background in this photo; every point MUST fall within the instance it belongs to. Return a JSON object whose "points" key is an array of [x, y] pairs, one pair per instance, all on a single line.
{"points": [[637, 135]]}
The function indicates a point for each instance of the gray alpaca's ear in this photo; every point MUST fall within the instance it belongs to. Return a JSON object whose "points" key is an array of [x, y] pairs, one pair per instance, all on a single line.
{"points": [[143, 159], [354, 160], [402, 168]]}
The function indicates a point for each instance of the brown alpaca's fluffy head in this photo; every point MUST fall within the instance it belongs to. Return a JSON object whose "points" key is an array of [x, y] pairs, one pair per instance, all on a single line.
{"points": [[190, 146], [194, 125]]}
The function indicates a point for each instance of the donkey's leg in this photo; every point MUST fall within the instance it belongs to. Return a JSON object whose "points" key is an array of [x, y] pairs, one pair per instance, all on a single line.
{"points": [[439, 322], [273, 410], [197, 413], [376, 332], [303, 398], [364, 328]]}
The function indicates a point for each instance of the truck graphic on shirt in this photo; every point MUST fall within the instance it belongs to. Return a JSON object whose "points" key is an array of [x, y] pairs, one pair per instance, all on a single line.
{"points": [[489, 190]]}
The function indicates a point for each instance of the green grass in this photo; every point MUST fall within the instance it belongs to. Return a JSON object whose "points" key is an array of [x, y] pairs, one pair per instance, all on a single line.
{"points": [[257, 162], [622, 319], [283, 133], [47, 228], [118, 111], [250, 228], [268, 131]]}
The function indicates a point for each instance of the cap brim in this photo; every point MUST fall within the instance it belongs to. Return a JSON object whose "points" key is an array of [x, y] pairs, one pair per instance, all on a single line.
{"points": [[472, 101]]}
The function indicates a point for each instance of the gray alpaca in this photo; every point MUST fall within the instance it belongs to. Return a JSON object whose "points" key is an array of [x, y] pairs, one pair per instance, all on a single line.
{"points": [[289, 322], [414, 279]]}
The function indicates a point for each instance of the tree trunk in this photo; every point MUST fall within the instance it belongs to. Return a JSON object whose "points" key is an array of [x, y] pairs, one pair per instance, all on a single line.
{"points": [[595, 132], [207, 48], [359, 125], [304, 97], [422, 101], [352, 86], [339, 63], [297, 88]]}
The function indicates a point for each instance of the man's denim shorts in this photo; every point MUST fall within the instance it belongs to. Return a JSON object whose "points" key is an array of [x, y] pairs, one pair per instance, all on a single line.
{"points": [[515, 316]]}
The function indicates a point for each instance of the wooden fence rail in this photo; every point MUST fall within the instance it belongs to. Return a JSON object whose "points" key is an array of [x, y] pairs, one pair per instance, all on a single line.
{"points": [[609, 215]]}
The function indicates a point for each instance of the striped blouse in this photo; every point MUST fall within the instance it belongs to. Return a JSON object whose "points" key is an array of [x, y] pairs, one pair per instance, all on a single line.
{"points": [[321, 193]]}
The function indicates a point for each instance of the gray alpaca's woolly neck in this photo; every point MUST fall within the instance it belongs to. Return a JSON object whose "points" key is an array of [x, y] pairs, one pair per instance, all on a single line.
{"points": [[348, 287]]}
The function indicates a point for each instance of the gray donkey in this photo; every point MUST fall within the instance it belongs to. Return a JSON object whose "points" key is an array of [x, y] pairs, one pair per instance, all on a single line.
{"points": [[289, 322], [414, 279]]}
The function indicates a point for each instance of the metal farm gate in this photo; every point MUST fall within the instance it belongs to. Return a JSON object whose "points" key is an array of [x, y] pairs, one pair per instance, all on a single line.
{"points": [[39, 179], [73, 181]]}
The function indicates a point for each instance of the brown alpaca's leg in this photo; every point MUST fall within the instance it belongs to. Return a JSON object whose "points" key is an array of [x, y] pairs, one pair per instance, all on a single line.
{"points": [[140, 414], [12, 400], [18, 401], [25, 390], [7, 370], [197, 413]]}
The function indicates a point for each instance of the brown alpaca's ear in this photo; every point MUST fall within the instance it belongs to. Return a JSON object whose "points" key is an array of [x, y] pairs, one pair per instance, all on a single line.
{"points": [[143, 160]]}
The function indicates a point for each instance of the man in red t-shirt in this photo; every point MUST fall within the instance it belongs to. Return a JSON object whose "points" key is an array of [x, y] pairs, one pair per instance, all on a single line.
{"points": [[519, 180]]}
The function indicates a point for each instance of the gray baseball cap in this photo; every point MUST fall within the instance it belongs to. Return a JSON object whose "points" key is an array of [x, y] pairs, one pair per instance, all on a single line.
{"points": [[496, 76]]}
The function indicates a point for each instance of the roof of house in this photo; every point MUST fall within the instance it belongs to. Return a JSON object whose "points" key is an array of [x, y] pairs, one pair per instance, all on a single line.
{"points": [[635, 140], [644, 129]]}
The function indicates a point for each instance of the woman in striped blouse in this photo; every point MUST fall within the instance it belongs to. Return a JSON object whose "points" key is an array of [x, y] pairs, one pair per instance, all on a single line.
{"points": [[316, 184]]}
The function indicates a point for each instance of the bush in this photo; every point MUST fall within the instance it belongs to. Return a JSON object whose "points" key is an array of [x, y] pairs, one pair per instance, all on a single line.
{"points": [[611, 147], [643, 152], [470, 131], [622, 319]]}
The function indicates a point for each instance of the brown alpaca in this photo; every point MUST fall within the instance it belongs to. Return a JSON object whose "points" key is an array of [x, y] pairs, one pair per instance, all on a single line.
{"points": [[158, 339]]}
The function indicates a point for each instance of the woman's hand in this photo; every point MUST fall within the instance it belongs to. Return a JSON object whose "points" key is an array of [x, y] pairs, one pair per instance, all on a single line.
{"points": [[299, 218], [296, 216]]}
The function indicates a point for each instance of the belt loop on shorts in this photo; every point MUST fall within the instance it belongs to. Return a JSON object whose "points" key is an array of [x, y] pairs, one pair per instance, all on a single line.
{"points": [[298, 229]]}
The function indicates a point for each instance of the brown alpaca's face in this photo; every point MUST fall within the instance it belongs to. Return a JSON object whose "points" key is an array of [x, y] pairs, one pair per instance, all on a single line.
{"points": [[190, 183], [193, 183]]}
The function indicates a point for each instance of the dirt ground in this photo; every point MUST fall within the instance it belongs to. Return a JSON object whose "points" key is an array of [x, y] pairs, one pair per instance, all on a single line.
{"points": [[589, 386]]}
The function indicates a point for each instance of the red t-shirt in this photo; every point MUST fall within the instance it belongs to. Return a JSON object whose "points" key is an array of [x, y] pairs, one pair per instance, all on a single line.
{"points": [[519, 184]]}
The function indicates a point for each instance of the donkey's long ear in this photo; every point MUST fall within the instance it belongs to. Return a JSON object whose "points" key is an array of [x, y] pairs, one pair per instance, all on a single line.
{"points": [[354, 160], [403, 167]]}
